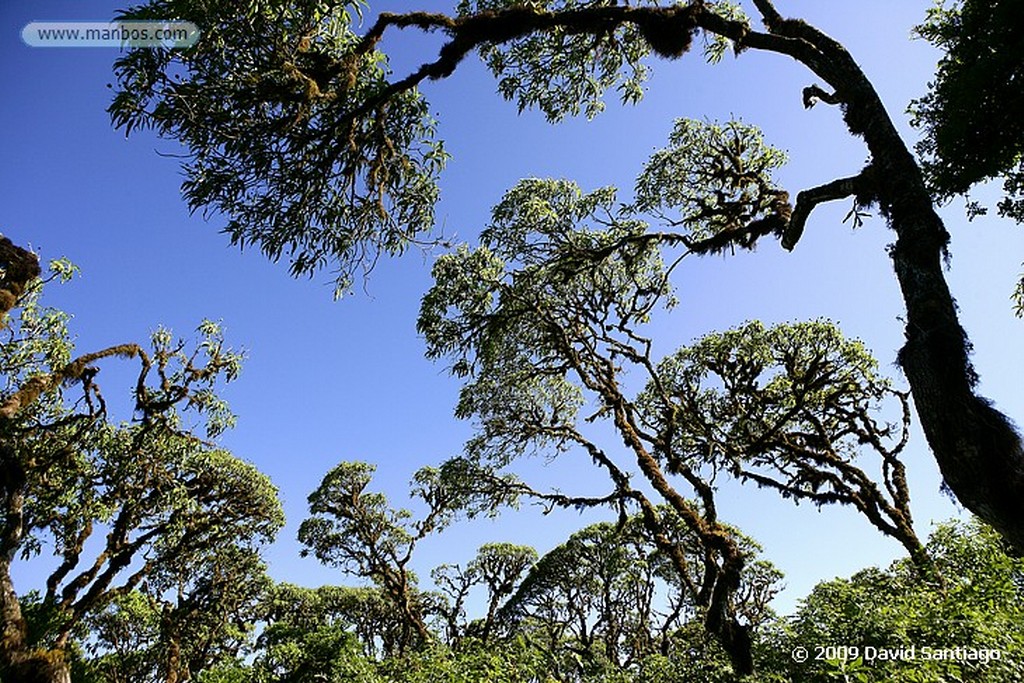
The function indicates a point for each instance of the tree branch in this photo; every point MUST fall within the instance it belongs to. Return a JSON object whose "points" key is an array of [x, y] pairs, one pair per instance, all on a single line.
{"points": [[813, 93], [33, 388], [806, 200], [769, 15], [667, 29]]}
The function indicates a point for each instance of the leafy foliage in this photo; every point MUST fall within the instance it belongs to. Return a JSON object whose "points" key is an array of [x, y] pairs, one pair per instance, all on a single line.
{"points": [[542, 317], [791, 407], [714, 180], [577, 67], [281, 111], [142, 506], [608, 602], [202, 624], [323, 634], [546, 316], [975, 605], [497, 567], [716, 45], [513, 661], [359, 532], [503, 324], [973, 115]]}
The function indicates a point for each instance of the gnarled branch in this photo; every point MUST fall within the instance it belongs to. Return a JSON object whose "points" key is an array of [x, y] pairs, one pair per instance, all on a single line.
{"points": [[813, 93], [806, 200], [668, 30]]}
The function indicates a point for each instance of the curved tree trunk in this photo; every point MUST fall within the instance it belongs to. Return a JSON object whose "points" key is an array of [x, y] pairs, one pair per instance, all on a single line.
{"points": [[18, 662], [978, 450]]}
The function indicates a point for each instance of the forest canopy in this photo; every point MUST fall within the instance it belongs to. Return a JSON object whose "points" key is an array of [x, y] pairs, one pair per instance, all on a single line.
{"points": [[297, 133]]}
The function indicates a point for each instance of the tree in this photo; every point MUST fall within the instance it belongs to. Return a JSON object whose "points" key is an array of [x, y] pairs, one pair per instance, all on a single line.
{"points": [[128, 507], [207, 620], [512, 661], [548, 315], [498, 567], [296, 135], [972, 116], [324, 634], [607, 602], [532, 327], [792, 408], [356, 530], [974, 607]]}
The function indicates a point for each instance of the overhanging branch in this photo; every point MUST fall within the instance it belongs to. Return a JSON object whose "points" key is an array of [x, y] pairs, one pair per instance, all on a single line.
{"points": [[668, 30], [40, 384]]}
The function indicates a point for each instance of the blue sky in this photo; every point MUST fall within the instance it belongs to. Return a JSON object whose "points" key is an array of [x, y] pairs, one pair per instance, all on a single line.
{"points": [[328, 381]]}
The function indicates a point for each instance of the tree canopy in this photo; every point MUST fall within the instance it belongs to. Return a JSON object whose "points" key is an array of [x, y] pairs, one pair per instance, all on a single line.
{"points": [[896, 609], [299, 136], [156, 533], [972, 114], [135, 510], [296, 132]]}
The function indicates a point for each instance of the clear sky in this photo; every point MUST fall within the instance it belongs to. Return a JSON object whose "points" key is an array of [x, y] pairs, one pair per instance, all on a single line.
{"points": [[328, 381]]}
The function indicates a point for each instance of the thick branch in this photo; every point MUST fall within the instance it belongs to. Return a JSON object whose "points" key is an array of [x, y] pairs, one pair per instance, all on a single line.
{"points": [[747, 235], [769, 15], [72, 555], [35, 387], [806, 200], [667, 29], [468, 33], [813, 93]]}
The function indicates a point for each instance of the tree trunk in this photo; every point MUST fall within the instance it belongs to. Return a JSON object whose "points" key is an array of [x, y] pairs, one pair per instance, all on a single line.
{"points": [[18, 267], [18, 662], [978, 450], [720, 619], [735, 639], [173, 674], [38, 666]]}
